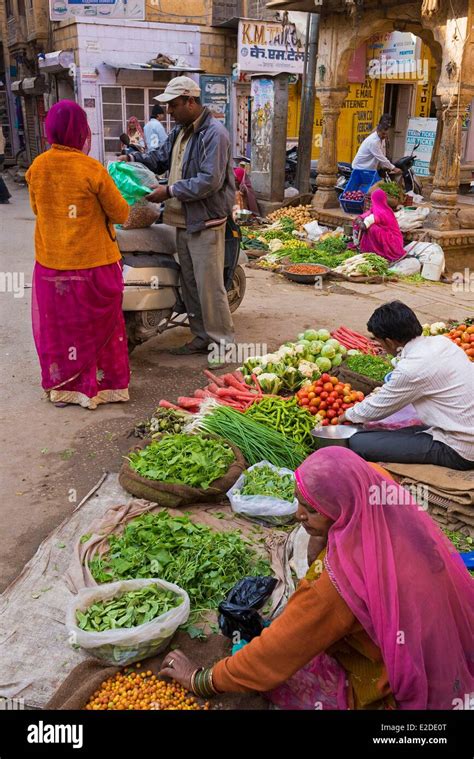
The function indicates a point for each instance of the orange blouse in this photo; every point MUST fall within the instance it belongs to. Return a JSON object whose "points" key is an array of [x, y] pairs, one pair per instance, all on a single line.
{"points": [[76, 204]]}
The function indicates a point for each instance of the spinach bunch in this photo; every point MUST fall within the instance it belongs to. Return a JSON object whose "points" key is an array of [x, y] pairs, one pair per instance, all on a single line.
{"points": [[136, 607], [187, 459]]}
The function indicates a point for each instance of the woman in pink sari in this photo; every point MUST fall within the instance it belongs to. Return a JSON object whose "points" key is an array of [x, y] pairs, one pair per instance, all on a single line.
{"points": [[386, 621], [78, 324], [379, 231]]}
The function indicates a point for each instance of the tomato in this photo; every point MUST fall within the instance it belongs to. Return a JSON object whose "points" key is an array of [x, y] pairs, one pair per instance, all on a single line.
{"points": [[336, 405], [470, 352], [325, 377], [347, 388], [311, 395], [328, 386], [331, 414], [322, 413], [324, 423], [324, 395], [347, 399], [314, 402], [339, 388], [345, 405], [461, 328], [470, 330], [334, 380], [457, 340], [305, 401], [360, 395], [323, 405], [334, 421], [313, 410], [465, 337]]}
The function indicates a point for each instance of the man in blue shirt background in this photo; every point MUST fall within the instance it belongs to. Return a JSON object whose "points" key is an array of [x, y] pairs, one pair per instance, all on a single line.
{"points": [[155, 133]]}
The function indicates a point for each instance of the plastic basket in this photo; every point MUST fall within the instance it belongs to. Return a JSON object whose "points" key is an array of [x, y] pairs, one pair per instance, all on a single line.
{"points": [[361, 179]]}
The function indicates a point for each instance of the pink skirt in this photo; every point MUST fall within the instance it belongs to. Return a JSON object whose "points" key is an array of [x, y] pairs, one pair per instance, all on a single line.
{"points": [[80, 336]]}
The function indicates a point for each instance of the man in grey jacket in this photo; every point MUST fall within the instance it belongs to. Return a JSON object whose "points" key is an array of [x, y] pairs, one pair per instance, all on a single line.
{"points": [[198, 199]]}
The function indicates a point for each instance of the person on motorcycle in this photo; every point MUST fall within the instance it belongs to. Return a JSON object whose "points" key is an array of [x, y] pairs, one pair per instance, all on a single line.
{"points": [[198, 199], [371, 154]]}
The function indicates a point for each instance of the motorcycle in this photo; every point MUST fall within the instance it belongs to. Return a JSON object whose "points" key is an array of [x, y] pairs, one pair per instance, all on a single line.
{"points": [[408, 176], [152, 300], [343, 171]]}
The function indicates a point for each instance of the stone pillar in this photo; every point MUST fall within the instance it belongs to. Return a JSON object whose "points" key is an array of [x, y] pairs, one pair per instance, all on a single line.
{"points": [[269, 120], [428, 181], [331, 99], [447, 174]]}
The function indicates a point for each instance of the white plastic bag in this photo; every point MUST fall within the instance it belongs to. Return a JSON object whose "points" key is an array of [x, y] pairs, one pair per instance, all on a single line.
{"points": [[262, 508], [126, 645], [411, 218], [314, 230], [406, 266]]}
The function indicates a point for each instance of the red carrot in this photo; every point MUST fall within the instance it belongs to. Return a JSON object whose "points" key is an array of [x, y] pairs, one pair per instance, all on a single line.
{"points": [[166, 404], [218, 380], [239, 376], [188, 402], [231, 381]]}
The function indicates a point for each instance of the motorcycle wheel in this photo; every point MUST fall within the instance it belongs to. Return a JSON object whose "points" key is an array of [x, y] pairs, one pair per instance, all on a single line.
{"points": [[237, 289], [141, 325]]}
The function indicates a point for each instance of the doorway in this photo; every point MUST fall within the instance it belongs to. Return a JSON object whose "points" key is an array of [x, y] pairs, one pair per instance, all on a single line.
{"points": [[398, 102]]}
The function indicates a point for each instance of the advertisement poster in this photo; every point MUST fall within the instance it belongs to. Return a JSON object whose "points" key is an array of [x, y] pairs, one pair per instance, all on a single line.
{"points": [[262, 116], [124, 9], [215, 94], [422, 131], [270, 48]]}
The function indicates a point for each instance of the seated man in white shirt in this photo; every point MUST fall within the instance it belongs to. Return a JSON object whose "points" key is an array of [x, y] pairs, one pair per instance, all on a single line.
{"points": [[371, 154], [437, 378], [155, 133]]}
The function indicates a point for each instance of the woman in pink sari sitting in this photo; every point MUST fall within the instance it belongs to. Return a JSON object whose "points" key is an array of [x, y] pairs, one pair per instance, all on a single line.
{"points": [[78, 324], [379, 231]]}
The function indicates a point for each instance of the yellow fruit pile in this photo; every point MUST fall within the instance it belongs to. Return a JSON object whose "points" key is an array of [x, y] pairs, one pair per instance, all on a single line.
{"points": [[142, 690]]}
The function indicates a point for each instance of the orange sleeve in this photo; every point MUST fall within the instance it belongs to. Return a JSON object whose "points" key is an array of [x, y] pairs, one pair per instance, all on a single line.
{"points": [[380, 470], [315, 617], [28, 177], [113, 203]]}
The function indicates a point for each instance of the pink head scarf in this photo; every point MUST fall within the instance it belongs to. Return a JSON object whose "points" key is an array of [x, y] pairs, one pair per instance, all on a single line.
{"points": [[381, 210], [399, 575], [66, 124]]}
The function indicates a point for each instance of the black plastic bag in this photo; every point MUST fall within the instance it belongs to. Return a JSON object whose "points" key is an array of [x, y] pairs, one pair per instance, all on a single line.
{"points": [[239, 618]]}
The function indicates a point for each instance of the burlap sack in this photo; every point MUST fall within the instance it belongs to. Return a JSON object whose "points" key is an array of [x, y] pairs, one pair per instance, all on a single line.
{"points": [[174, 495], [142, 214]]}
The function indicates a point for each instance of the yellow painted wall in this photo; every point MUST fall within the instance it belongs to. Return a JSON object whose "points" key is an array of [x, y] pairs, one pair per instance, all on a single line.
{"points": [[361, 110]]}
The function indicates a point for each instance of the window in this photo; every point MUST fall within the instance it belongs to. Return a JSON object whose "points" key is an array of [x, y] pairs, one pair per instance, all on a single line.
{"points": [[9, 8], [21, 7], [112, 116], [121, 103]]}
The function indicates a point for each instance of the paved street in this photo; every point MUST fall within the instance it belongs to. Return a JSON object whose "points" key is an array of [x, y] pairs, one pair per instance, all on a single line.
{"points": [[46, 451]]}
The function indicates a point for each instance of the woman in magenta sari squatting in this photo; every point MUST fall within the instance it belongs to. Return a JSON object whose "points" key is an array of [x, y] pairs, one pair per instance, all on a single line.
{"points": [[78, 324], [379, 230]]}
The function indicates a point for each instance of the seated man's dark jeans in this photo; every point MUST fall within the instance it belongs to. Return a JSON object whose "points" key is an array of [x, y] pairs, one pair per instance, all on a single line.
{"points": [[410, 445]]}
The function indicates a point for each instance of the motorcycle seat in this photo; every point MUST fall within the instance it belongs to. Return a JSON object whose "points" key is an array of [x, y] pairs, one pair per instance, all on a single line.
{"points": [[159, 238]]}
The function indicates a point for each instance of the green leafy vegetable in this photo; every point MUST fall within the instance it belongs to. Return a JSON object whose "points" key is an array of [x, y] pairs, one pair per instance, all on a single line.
{"points": [[370, 366], [205, 563], [189, 459], [136, 607], [264, 480]]}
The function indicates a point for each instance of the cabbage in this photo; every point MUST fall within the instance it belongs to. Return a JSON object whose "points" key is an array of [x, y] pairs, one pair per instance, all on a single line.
{"points": [[337, 360], [323, 363], [304, 342], [353, 352], [323, 334], [301, 336], [328, 351], [342, 349], [315, 347], [311, 334], [333, 343]]}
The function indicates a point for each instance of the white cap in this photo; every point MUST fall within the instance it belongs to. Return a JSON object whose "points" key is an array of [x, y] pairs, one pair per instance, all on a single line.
{"points": [[180, 85]]}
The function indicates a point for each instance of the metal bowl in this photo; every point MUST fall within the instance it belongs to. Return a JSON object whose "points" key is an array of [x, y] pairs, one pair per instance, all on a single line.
{"points": [[335, 434], [306, 279]]}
